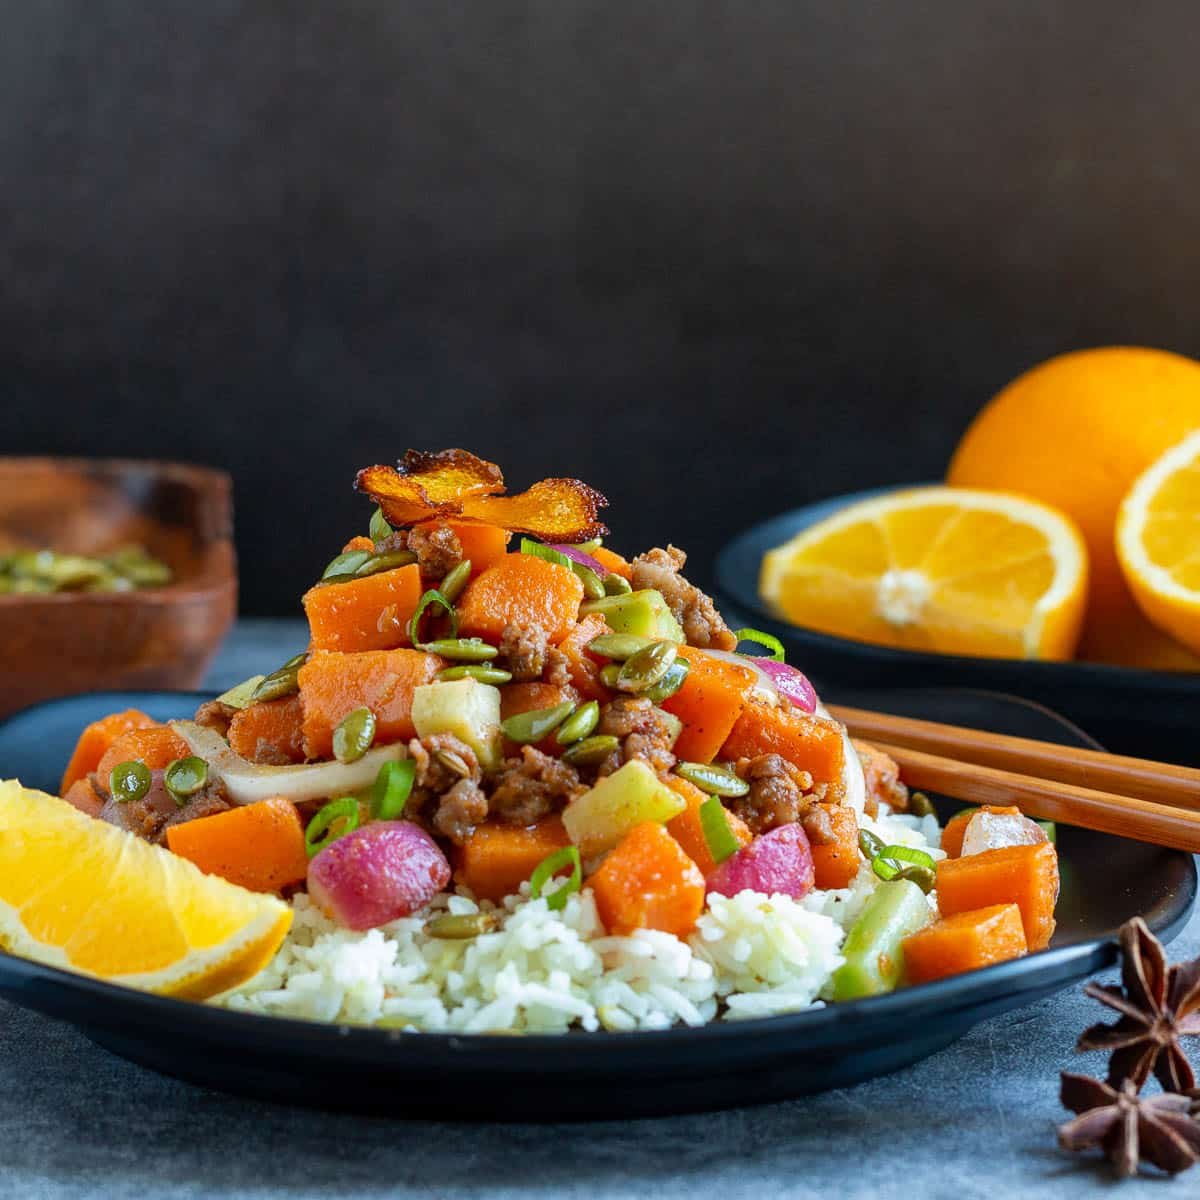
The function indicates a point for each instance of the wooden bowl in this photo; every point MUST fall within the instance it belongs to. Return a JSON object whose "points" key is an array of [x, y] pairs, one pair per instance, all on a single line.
{"points": [[68, 642]]}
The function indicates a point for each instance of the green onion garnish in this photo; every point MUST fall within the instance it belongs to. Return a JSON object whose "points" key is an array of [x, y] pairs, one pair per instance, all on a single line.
{"points": [[379, 527], [433, 596], [393, 785], [763, 639], [886, 863], [129, 781], [335, 820], [548, 553], [548, 868], [714, 823]]}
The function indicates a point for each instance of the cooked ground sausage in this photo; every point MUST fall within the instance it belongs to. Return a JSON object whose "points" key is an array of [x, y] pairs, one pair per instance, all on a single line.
{"points": [[646, 732], [437, 549], [152, 815], [702, 625], [882, 777], [524, 648], [780, 793], [462, 808], [531, 786], [215, 714]]}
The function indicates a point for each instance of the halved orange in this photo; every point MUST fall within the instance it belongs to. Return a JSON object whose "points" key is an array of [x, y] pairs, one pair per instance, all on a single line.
{"points": [[84, 895], [1158, 541], [950, 570]]}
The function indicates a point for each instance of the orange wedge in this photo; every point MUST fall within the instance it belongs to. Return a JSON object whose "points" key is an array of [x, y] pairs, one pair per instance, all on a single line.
{"points": [[1158, 541], [86, 896], [949, 570]]}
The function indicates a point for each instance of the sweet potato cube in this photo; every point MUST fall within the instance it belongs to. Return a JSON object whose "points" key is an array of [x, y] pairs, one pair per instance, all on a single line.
{"points": [[836, 863], [371, 613], [688, 831], [964, 942], [520, 589], [96, 739], [271, 731], [1026, 876], [648, 882], [812, 743], [712, 697], [496, 859]]}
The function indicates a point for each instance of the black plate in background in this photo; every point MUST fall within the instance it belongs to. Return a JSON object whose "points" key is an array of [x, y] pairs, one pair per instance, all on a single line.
{"points": [[1105, 881], [1153, 714]]}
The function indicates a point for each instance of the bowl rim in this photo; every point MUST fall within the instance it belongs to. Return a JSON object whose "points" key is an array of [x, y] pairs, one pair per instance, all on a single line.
{"points": [[217, 573]]}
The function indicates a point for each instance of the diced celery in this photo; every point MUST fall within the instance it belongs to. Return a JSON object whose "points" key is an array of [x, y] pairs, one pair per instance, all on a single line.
{"points": [[643, 613], [873, 947]]}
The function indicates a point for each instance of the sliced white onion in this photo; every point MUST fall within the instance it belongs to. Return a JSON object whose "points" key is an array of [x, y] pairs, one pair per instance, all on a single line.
{"points": [[993, 831], [248, 782], [764, 691]]}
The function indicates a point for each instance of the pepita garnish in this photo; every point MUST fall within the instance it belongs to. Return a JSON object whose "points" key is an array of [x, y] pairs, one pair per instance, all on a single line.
{"points": [[30, 572], [388, 561], [283, 681], [618, 646], [579, 724], [920, 805], [241, 695], [670, 683], [354, 735], [460, 926], [455, 763], [536, 724], [591, 751], [345, 563], [924, 877], [616, 585], [645, 668], [593, 586], [455, 580], [608, 675], [713, 779], [480, 671], [466, 650]]}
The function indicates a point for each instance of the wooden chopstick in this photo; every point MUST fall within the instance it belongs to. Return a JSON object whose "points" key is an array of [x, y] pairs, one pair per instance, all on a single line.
{"points": [[1051, 800], [1161, 783]]}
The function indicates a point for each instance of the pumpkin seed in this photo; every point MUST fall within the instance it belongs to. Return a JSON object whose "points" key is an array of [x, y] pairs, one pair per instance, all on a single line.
{"points": [[453, 762], [591, 751], [346, 563], [455, 580], [616, 585], [593, 586], [536, 724], [185, 777], [379, 527], [459, 926], [619, 646], [579, 724], [670, 683], [147, 573], [485, 674], [713, 779], [353, 737], [871, 845], [608, 675], [129, 781], [920, 805], [590, 546], [467, 650], [645, 668], [283, 681], [924, 877], [387, 561], [241, 695]]}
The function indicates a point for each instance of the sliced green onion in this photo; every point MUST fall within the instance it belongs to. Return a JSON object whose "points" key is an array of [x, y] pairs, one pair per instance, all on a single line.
{"points": [[870, 845], [379, 527], [129, 781], [548, 868], [185, 777], [909, 854], [335, 820], [433, 596], [714, 823], [762, 639], [392, 788], [548, 553], [346, 563]]}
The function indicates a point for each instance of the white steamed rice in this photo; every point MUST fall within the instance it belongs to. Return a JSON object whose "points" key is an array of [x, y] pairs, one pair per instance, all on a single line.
{"points": [[542, 971]]}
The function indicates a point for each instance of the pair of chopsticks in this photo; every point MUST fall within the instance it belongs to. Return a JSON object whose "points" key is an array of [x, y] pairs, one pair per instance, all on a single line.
{"points": [[1130, 797]]}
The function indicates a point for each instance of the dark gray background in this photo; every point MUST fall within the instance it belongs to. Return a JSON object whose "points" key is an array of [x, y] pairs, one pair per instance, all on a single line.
{"points": [[715, 258]]}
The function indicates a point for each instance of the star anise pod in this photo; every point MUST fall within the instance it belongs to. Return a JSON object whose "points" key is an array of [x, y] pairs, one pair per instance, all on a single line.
{"points": [[1129, 1127], [1159, 1005]]}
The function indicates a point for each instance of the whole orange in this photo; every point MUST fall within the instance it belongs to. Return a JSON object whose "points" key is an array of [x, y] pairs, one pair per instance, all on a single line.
{"points": [[1074, 433]]}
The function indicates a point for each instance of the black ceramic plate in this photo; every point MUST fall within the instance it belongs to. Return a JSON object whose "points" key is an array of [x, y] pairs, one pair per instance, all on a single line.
{"points": [[1105, 881], [1153, 714]]}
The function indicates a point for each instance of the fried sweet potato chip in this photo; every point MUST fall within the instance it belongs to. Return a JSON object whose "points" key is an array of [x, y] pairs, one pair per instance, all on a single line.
{"points": [[555, 510], [425, 485], [455, 483]]}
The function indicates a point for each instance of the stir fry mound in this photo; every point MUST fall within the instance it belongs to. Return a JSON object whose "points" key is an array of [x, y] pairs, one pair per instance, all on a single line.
{"points": [[531, 721]]}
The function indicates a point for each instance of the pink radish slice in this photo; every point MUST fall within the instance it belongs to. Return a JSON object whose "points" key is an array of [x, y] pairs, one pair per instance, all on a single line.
{"points": [[790, 683], [376, 874], [777, 862]]}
